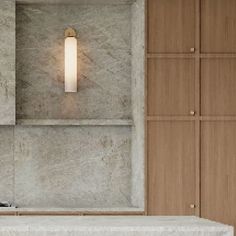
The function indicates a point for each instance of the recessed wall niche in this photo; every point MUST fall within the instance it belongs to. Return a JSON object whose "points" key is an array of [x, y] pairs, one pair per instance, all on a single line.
{"points": [[104, 61], [85, 150]]}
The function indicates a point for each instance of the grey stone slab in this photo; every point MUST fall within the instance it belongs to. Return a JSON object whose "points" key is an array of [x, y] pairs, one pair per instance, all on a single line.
{"points": [[112, 226], [71, 122], [104, 62], [138, 103], [7, 62], [80, 2], [28, 210], [6, 164], [72, 167]]}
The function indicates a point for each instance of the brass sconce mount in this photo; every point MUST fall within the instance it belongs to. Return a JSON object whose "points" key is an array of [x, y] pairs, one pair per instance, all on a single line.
{"points": [[70, 32]]}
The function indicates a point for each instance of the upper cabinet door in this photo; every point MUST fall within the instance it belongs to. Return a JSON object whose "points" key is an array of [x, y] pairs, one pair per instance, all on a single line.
{"points": [[170, 87], [218, 26], [171, 26], [7, 62], [218, 87]]}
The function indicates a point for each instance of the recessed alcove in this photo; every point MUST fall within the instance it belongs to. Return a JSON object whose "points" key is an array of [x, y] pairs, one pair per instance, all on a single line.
{"points": [[104, 61], [82, 151]]}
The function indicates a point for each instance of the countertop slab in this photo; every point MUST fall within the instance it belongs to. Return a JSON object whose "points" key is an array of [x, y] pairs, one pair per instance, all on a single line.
{"points": [[111, 226]]}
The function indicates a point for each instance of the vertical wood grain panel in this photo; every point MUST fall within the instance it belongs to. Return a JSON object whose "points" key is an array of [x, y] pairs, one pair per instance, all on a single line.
{"points": [[218, 26], [218, 86], [171, 165], [218, 165], [170, 86], [171, 25]]}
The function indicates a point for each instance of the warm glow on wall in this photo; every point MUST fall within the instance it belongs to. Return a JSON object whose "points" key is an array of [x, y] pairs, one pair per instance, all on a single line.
{"points": [[70, 61]]}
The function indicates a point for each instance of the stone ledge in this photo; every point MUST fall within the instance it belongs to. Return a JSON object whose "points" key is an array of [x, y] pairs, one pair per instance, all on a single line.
{"points": [[111, 226], [73, 122]]}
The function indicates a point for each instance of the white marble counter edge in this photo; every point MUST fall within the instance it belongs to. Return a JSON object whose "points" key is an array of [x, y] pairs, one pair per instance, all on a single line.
{"points": [[14, 209]]}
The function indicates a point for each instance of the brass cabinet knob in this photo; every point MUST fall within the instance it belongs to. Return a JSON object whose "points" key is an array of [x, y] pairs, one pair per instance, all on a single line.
{"points": [[192, 206], [192, 49], [192, 113]]}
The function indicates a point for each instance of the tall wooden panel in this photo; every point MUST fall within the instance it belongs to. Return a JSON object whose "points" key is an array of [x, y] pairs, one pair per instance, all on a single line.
{"points": [[171, 25], [191, 108], [172, 107], [218, 110], [218, 83], [170, 86], [218, 166], [218, 28], [171, 168]]}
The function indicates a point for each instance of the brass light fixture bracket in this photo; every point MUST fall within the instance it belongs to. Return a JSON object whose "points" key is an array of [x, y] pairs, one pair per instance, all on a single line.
{"points": [[70, 32]]}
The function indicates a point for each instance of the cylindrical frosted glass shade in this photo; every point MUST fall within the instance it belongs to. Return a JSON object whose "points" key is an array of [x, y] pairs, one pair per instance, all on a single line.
{"points": [[70, 64]]}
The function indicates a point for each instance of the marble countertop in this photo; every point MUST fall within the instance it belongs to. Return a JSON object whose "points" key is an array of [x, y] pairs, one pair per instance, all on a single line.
{"points": [[111, 226], [82, 210]]}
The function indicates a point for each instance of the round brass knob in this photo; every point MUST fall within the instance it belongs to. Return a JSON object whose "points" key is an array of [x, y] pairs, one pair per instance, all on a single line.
{"points": [[192, 206], [192, 49], [192, 113]]}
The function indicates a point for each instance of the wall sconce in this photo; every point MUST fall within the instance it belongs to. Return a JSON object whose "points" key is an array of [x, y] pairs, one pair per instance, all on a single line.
{"points": [[70, 61]]}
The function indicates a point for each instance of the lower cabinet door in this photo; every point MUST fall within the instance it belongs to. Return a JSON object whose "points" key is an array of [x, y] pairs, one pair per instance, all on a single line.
{"points": [[218, 171], [171, 168]]}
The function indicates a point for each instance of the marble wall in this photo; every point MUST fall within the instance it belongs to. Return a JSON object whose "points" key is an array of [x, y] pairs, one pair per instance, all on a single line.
{"points": [[72, 167], [65, 166], [6, 164], [7, 62]]}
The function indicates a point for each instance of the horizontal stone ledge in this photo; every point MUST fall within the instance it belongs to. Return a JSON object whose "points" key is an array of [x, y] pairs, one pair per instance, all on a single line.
{"points": [[111, 226], [75, 122]]}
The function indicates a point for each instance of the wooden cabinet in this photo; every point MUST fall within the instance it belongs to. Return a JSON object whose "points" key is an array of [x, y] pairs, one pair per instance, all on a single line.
{"points": [[171, 108], [218, 110], [218, 86], [171, 166], [218, 167], [191, 108], [218, 27], [171, 25], [170, 86]]}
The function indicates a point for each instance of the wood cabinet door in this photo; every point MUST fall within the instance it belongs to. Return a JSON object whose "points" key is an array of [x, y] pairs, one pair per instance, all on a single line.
{"points": [[171, 26], [170, 86], [218, 168], [218, 26], [218, 86], [171, 168]]}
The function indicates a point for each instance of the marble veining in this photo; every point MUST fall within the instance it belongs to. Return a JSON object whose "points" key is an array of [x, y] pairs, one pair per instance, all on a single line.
{"points": [[112, 226], [7, 62], [72, 167], [104, 61]]}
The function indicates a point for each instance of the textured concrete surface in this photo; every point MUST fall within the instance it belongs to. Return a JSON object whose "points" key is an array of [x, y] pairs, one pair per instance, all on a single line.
{"points": [[71, 122], [84, 2], [72, 167], [104, 61], [138, 103], [112, 226], [7, 62], [6, 164]]}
